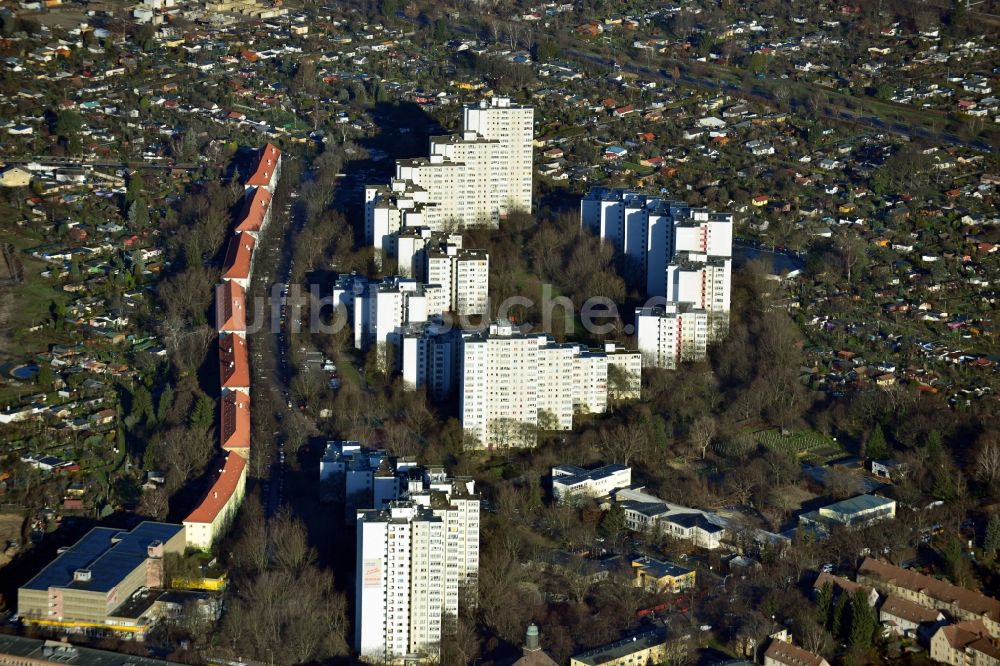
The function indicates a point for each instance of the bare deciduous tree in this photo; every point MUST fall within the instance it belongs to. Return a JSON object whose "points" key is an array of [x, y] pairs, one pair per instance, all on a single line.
{"points": [[987, 463], [701, 434], [622, 443]]}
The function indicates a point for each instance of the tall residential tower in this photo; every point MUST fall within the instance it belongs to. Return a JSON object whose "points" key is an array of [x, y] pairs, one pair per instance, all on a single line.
{"points": [[474, 177]]}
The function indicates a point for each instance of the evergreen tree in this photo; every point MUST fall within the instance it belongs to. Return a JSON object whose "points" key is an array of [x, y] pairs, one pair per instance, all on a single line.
{"points": [[142, 405], [992, 542], [166, 400], [613, 524], [68, 123], [203, 413], [956, 564], [57, 310], [134, 189], [839, 615], [877, 448], [149, 457], [863, 622], [933, 446], [138, 214], [824, 602], [44, 376]]}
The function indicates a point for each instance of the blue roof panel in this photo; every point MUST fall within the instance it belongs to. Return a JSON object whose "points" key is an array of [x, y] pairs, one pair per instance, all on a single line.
{"points": [[110, 555]]}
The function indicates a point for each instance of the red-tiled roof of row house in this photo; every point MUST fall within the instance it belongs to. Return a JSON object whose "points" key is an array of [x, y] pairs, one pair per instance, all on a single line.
{"points": [[793, 655], [844, 584], [966, 599], [266, 164], [908, 610], [235, 421], [253, 213], [239, 256], [234, 363], [230, 307], [971, 634], [221, 491]]}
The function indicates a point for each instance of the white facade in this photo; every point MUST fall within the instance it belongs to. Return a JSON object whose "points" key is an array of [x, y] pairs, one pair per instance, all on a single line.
{"points": [[669, 248], [414, 559], [362, 478], [572, 481], [513, 126], [430, 357], [470, 290], [389, 208], [454, 501], [499, 394], [671, 334], [385, 619], [409, 247], [475, 177], [647, 513], [391, 304], [409, 251], [554, 384], [514, 384], [464, 275], [705, 283], [624, 373]]}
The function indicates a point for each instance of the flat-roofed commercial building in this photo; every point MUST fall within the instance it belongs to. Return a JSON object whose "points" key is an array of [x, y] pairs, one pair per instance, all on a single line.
{"points": [[649, 647], [658, 577], [572, 481], [86, 585], [853, 512]]}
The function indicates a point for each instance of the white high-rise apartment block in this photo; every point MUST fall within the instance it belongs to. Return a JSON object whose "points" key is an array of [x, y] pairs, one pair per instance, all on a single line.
{"points": [[347, 288], [499, 392], [390, 208], [397, 611], [414, 559], [512, 126], [391, 304], [671, 334], [513, 384], [704, 282], [409, 247], [430, 357], [471, 178], [624, 373], [364, 478], [465, 277], [457, 504], [648, 232], [438, 258], [671, 249]]}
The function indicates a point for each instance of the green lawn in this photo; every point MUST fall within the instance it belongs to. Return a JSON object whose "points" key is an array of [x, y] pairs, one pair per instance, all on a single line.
{"points": [[796, 443], [348, 372], [570, 132], [29, 304], [638, 168]]}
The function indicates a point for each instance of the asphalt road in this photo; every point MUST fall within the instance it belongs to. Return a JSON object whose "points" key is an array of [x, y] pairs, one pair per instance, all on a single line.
{"points": [[272, 353]]}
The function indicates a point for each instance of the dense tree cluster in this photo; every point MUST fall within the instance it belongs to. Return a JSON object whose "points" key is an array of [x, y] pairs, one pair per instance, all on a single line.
{"points": [[280, 604]]}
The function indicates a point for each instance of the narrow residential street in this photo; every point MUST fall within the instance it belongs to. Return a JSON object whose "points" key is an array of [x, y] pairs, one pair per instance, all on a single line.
{"points": [[270, 349]]}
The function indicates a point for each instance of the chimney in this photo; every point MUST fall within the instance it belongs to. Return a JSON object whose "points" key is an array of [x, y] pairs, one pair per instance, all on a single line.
{"points": [[531, 639]]}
